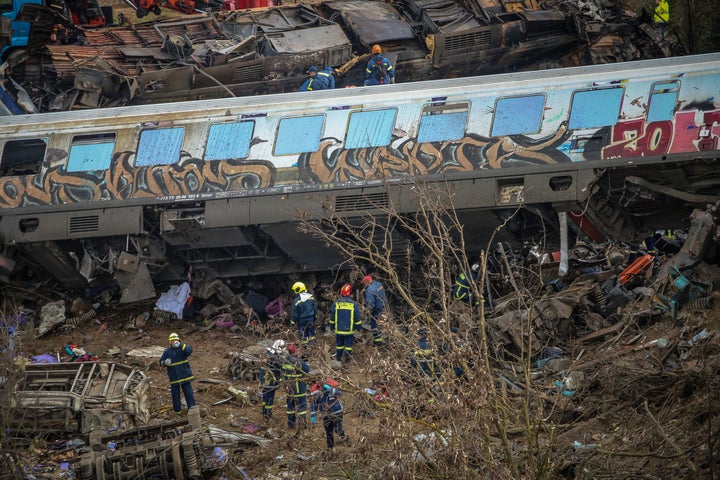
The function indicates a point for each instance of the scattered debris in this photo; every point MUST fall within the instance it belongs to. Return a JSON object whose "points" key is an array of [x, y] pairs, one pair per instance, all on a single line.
{"points": [[252, 52]]}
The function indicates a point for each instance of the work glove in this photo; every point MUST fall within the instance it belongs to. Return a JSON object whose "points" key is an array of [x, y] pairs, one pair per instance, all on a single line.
{"points": [[167, 362], [313, 419]]}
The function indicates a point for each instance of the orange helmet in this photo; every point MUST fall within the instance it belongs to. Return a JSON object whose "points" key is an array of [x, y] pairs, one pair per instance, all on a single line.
{"points": [[376, 49], [346, 290]]}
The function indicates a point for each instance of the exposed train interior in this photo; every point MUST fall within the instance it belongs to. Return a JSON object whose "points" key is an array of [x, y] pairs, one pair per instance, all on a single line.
{"points": [[254, 52]]}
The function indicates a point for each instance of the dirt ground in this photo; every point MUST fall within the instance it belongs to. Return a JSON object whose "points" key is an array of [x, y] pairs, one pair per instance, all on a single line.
{"points": [[629, 406], [107, 337]]}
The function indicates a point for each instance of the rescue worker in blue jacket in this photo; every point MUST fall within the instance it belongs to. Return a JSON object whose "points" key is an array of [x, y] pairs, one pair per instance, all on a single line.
{"points": [[315, 82], [326, 400], [327, 73], [376, 301], [270, 376], [304, 310], [423, 359], [668, 241], [379, 70], [294, 371], [175, 359], [461, 289], [345, 319]]}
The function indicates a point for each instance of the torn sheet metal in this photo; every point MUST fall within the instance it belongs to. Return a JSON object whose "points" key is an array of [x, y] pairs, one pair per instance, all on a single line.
{"points": [[373, 22], [268, 51]]}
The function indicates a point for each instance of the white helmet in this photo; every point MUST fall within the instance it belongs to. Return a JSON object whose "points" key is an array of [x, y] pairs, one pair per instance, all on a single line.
{"points": [[475, 267], [278, 345]]}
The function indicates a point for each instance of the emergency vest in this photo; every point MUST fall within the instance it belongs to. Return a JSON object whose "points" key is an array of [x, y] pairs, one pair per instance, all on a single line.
{"points": [[662, 12], [343, 318]]}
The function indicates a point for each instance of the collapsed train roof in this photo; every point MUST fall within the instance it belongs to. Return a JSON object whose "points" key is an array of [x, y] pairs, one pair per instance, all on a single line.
{"points": [[267, 51]]}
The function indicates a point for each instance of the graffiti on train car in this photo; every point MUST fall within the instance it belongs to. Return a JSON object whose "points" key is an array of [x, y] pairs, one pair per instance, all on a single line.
{"points": [[332, 164], [686, 133], [409, 157], [123, 181]]}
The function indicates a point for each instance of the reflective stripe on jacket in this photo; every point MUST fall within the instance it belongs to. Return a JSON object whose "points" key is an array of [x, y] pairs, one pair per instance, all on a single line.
{"points": [[345, 316], [179, 370]]}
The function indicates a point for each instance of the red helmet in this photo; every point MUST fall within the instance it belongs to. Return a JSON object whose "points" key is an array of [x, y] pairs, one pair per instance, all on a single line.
{"points": [[292, 348], [367, 280], [346, 290]]}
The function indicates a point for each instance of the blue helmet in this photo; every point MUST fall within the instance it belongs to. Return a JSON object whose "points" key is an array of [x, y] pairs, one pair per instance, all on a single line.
{"points": [[312, 69]]}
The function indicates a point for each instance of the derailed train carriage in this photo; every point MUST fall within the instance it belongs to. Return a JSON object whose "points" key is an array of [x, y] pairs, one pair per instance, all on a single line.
{"points": [[218, 185], [266, 51]]}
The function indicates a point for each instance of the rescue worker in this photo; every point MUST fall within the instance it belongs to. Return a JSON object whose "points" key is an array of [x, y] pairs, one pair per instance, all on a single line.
{"points": [[379, 70], [461, 290], [327, 73], [326, 400], [376, 301], [661, 16], [345, 319], [175, 359], [423, 359], [668, 241], [270, 376], [315, 82], [304, 310], [294, 370]]}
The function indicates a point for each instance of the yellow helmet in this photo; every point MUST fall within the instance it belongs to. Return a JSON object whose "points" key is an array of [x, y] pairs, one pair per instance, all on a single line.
{"points": [[376, 49], [299, 287], [173, 337]]}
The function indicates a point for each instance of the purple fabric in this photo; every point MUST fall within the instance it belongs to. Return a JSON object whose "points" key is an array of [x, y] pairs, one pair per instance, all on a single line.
{"points": [[44, 358]]}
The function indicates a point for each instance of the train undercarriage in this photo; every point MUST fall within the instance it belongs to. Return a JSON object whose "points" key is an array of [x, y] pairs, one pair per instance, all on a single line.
{"points": [[240, 238]]}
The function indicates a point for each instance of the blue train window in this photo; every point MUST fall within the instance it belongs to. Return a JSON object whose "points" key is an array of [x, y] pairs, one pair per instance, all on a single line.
{"points": [[91, 152], [229, 140], [298, 135], [663, 98], [518, 115], [370, 129], [159, 147], [595, 108], [440, 123]]}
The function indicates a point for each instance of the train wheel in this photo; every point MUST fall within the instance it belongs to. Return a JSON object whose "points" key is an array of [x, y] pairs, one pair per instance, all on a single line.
{"points": [[140, 13], [156, 10]]}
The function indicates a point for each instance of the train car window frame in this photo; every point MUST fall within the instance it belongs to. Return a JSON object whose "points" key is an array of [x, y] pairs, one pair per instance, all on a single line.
{"points": [[370, 128], [91, 152], [231, 144], [662, 100], [27, 159], [595, 108], [298, 134], [162, 149], [518, 115], [441, 122]]}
